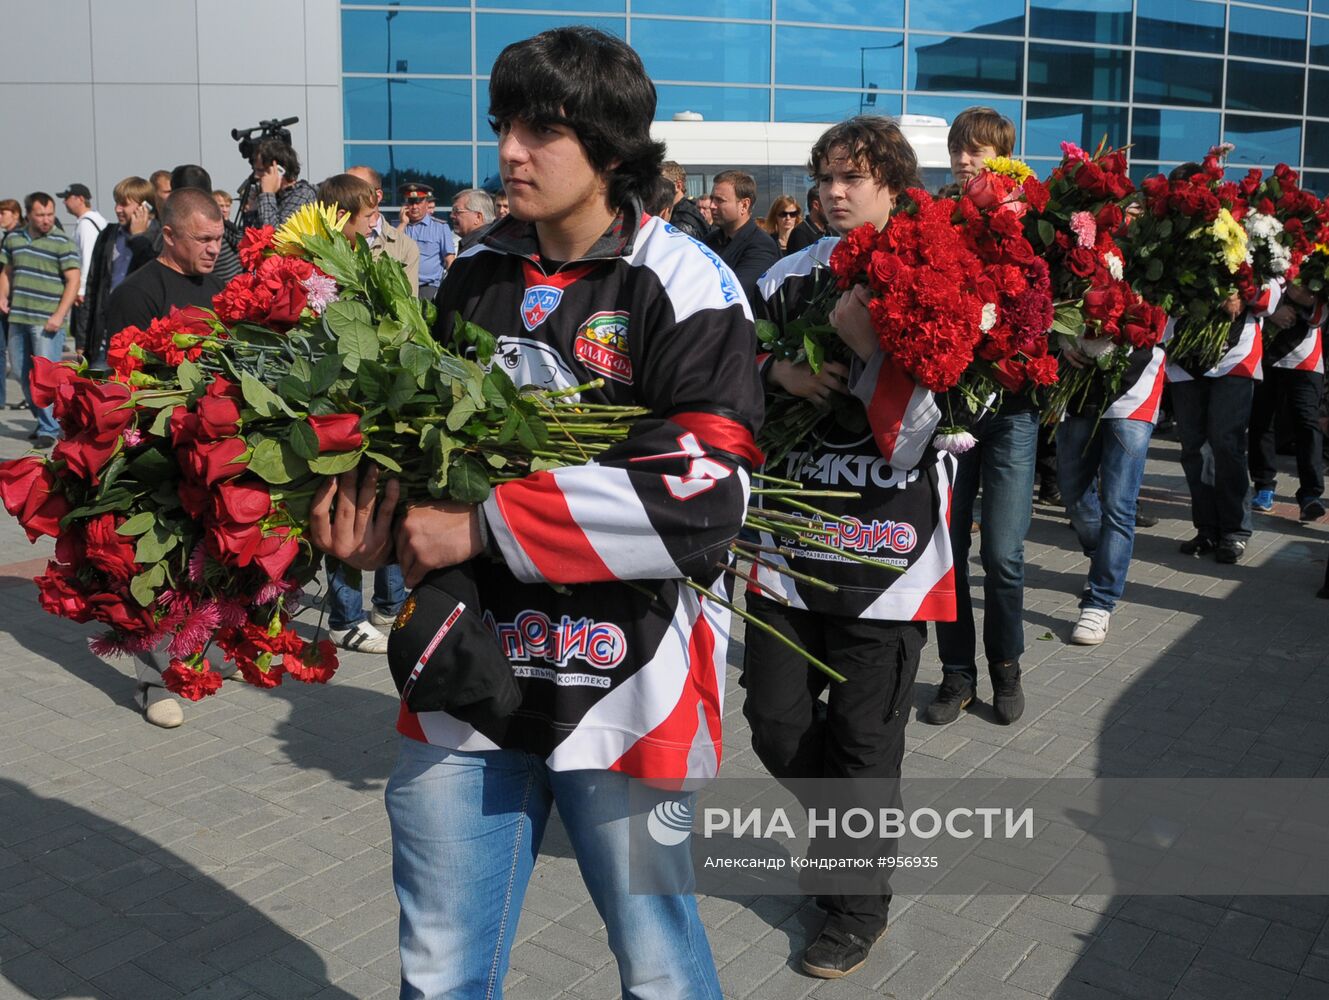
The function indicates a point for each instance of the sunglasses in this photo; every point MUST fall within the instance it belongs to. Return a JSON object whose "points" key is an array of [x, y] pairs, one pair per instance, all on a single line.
{"points": [[788, 215]]}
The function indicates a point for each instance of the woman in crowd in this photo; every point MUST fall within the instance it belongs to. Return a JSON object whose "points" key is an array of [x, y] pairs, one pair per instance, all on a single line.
{"points": [[781, 220]]}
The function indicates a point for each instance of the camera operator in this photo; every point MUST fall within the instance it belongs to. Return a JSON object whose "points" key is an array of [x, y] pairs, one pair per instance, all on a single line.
{"points": [[280, 192]]}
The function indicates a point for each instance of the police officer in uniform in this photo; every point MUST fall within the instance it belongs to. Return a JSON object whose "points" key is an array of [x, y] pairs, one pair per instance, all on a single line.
{"points": [[437, 243]]}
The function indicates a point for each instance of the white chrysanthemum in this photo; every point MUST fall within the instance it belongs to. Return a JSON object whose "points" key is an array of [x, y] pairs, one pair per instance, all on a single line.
{"points": [[989, 319], [955, 441], [1114, 266]]}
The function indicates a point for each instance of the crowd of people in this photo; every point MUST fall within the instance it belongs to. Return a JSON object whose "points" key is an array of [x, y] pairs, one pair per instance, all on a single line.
{"points": [[598, 217]]}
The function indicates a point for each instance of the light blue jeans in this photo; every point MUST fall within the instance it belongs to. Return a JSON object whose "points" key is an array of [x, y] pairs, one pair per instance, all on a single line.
{"points": [[34, 341], [1100, 475], [466, 830], [346, 602]]}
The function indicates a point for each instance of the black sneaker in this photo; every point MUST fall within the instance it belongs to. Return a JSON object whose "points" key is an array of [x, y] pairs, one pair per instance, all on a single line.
{"points": [[1312, 509], [837, 953], [43, 443], [1145, 521], [1230, 551], [953, 697], [1007, 695], [1050, 494], [1198, 546]]}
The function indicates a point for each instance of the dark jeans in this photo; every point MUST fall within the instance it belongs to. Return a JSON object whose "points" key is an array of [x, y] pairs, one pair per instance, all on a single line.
{"points": [[1003, 462], [1045, 460], [1216, 412], [861, 732], [1302, 390]]}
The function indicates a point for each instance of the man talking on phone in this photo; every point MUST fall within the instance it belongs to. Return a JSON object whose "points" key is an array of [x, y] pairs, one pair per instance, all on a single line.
{"points": [[278, 191]]}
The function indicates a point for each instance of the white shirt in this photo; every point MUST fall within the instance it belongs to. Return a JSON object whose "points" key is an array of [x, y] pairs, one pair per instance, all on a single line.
{"points": [[89, 225]]}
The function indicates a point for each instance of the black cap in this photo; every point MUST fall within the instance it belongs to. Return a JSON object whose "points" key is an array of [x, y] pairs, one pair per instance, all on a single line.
{"points": [[78, 189], [443, 657]]}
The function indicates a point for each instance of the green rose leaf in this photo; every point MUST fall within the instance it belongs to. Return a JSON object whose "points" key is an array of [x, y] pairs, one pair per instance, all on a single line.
{"points": [[264, 401], [385, 461], [1154, 271], [461, 413], [137, 524], [335, 464], [275, 462], [303, 440], [190, 375], [418, 361], [154, 544], [1046, 232], [353, 326], [467, 480], [143, 587]]}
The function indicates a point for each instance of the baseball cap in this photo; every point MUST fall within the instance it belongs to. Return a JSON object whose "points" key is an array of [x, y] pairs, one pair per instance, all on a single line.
{"points": [[78, 189], [444, 658]]}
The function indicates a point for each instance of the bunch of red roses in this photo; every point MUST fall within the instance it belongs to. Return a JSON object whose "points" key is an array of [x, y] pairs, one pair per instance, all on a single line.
{"points": [[1188, 254]]}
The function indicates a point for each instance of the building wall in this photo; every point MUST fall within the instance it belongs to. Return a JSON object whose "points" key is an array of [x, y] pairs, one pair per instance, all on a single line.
{"points": [[95, 90], [1170, 76]]}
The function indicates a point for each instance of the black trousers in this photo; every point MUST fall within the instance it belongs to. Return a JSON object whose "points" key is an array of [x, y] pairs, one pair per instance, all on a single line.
{"points": [[1302, 390], [1216, 412], [858, 734]]}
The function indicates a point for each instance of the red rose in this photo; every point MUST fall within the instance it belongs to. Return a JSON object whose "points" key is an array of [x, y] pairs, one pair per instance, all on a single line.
{"points": [[93, 415], [988, 189], [1036, 193], [28, 489], [59, 593], [195, 498], [209, 462], [46, 378], [113, 610], [190, 682], [275, 553], [1109, 217], [252, 246], [107, 551], [1082, 262], [337, 431], [233, 545], [242, 503]]}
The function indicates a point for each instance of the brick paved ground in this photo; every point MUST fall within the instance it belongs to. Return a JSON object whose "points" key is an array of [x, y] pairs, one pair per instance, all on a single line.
{"points": [[246, 854]]}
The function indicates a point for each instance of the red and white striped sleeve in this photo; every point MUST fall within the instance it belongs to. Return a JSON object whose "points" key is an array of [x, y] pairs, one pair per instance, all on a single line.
{"points": [[902, 414]]}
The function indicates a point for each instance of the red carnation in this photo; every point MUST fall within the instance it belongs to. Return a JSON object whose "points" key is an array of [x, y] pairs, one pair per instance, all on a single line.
{"points": [[253, 244], [191, 682], [316, 663]]}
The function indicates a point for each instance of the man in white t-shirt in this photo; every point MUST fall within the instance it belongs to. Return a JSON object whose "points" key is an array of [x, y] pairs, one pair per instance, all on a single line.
{"points": [[89, 223]]}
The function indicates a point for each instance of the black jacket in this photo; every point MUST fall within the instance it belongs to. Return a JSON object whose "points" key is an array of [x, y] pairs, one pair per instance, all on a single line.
{"points": [[142, 248], [686, 217], [749, 254], [804, 235]]}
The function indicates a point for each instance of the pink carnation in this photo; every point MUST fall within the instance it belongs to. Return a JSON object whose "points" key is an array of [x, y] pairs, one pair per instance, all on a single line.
{"points": [[1084, 228], [322, 291]]}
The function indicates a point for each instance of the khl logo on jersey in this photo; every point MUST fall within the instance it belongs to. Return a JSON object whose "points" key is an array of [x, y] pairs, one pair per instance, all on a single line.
{"points": [[540, 301]]}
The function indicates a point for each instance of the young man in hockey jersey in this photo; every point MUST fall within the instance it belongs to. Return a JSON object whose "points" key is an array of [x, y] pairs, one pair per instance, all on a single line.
{"points": [[873, 629], [621, 671]]}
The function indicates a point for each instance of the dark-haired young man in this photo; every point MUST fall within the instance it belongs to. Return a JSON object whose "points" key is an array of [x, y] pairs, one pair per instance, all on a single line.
{"points": [[280, 192], [574, 286], [872, 630]]}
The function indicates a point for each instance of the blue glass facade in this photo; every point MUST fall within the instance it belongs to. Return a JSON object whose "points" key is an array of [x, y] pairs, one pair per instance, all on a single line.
{"points": [[1171, 77]]}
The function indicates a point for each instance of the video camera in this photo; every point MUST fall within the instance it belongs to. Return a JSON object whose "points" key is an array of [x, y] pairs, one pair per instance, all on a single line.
{"points": [[273, 128]]}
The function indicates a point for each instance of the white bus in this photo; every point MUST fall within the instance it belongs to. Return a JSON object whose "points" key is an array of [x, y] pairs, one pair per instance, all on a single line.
{"points": [[776, 153]]}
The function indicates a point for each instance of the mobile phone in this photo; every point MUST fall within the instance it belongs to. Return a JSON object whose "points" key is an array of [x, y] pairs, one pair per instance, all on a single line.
{"points": [[281, 171]]}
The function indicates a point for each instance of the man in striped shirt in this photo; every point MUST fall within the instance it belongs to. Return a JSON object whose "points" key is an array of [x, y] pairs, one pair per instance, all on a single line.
{"points": [[38, 285]]}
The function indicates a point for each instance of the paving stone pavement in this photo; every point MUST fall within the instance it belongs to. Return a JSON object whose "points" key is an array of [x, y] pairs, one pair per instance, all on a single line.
{"points": [[246, 854]]}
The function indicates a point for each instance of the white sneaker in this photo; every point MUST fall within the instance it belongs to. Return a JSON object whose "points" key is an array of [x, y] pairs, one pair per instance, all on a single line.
{"points": [[360, 638], [1092, 628], [382, 619]]}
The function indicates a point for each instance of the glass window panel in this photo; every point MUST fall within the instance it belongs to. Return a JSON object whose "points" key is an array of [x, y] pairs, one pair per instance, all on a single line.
{"points": [[486, 173], [1262, 87], [1079, 73], [447, 169], [1316, 182], [1139, 171], [1173, 135], [988, 17], [459, 4], [1319, 54], [1320, 6], [1266, 35], [1081, 20], [965, 64], [605, 6], [494, 32], [831, 106], [1317, 94], [948, 107], [710, 51], [1047, 126], [1188, 25], [1289, 4], [878, 14], [822, 57], [1317, 144], [1263, 141], [377, 41], [1163, 78], [759, 9], [732, 104], [406, 108]]}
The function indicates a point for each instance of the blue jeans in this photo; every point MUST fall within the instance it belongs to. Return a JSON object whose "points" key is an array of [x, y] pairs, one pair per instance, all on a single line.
{"points": [[1003, 462], [34, 341], [466, 830], [346, 604], [1213, 420], [1111, 461]]}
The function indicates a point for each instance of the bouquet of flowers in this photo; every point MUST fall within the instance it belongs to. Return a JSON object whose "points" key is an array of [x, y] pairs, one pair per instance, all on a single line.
{"points": [[1303, 220], [179, 494], [1187, 254], [1097, 313]]}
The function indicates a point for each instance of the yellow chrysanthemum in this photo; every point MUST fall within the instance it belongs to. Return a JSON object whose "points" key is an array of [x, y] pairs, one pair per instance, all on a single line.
{"points": [[1321, 248], [313, 219], [1017, 169], [1232, 237]]}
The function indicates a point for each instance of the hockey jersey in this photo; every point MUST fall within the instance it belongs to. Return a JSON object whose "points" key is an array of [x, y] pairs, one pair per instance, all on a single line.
{"points": [[902, 514], [614, 676], [1301, 346], [1245, 342]]}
